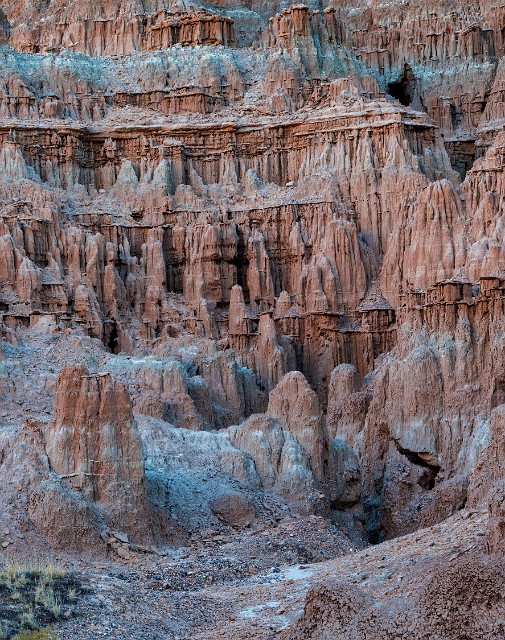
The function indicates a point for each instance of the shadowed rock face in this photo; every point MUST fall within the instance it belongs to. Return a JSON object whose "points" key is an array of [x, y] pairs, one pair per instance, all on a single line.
{"points": [[284, 225], [496, 524], [4, 27]]}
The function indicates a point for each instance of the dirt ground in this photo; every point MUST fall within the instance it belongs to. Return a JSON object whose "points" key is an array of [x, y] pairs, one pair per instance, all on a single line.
{"points": [[249, 585]]}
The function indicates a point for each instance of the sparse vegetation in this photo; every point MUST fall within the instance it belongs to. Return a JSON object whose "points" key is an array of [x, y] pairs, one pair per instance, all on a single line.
{"points": [[15, 573], [33, 593], [45, 596], [72, 594], [39, 634], [28, 619]]}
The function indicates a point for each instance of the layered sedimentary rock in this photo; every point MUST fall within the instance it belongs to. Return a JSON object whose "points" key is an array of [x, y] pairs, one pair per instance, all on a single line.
{"points": [[116, 28], [93, 441], [95, 460], [437, 55], [313, 257], [299, 241]]}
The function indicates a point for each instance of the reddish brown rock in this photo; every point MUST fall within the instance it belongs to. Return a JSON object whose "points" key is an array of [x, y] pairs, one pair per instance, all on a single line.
{"points": [[233, 510], [294, 404], [280, 461], [116, 29], [450, 600], [496, 526], [318, 217], [93, 444], [490, 465]]}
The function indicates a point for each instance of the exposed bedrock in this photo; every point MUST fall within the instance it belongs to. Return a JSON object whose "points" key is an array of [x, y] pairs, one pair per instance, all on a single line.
{"points": [[281, 237], [96, 455], [116, 28], [287, 443], [93, 441]]}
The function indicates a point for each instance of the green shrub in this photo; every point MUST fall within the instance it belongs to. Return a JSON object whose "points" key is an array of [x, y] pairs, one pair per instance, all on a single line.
{"points": [[39, 634]]}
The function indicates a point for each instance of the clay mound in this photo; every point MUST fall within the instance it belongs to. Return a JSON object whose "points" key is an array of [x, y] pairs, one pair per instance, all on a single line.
{"points": [[462, 599], [330, 609]]}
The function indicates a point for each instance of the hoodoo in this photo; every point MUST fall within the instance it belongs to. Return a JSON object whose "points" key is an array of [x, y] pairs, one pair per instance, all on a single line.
{"points": [[252, 318]]}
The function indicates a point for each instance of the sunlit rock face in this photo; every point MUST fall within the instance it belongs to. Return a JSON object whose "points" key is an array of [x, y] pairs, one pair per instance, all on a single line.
{"points": [[281, 228]]}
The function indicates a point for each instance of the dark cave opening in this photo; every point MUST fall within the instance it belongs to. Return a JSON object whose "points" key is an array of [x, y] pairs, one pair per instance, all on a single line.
{"points": [[427, 479], [404, 88], [113, 341], [375, 536]]}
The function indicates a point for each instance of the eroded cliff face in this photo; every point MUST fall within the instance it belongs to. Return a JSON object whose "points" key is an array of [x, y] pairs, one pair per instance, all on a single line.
{"points": [[285, 233]]}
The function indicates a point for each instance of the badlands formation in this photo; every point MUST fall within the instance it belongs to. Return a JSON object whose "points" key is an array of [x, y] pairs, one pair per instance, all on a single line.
{"points": [[252, 314]]}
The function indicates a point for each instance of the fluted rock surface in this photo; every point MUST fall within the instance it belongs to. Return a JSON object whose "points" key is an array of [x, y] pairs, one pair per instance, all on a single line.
{"points": [[97, 466], [287, 443], [115, 28], [283, 223], [93, 441]]}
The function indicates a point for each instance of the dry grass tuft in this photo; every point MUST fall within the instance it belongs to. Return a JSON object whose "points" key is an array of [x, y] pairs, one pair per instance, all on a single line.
{"points": [[17, 572], [37, 589], [28, 619]]}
